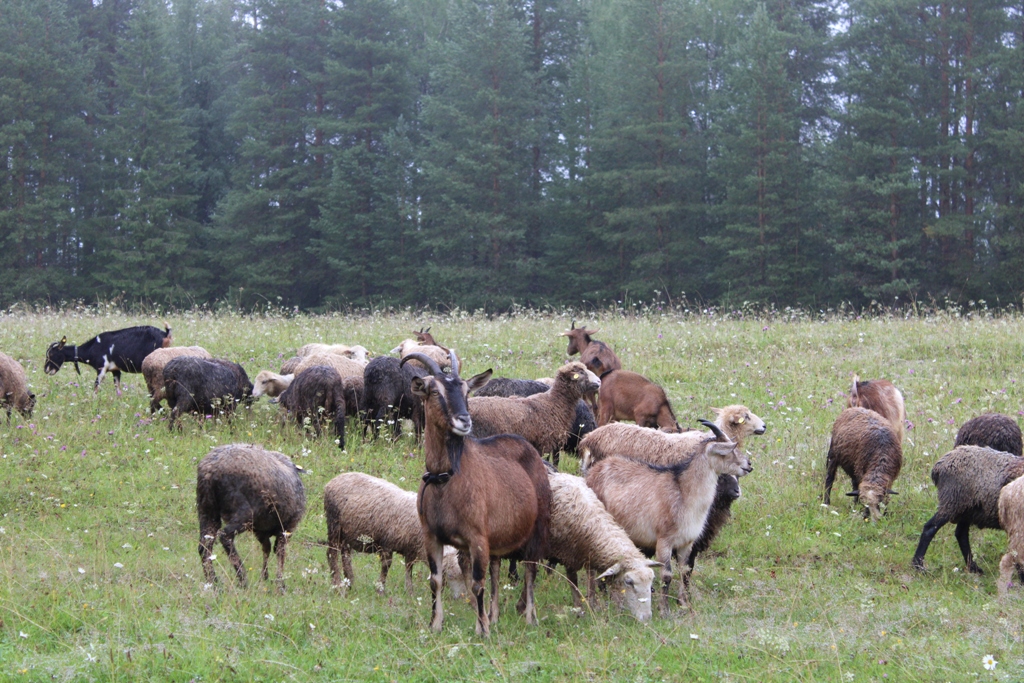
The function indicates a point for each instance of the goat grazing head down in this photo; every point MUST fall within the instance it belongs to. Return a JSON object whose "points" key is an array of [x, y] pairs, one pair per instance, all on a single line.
{"points": [[490, 498], [579, 338], [55, 357]]}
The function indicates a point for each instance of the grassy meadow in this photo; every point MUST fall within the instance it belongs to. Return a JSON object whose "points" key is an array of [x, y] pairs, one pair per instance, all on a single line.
{"points": [[101, 579]]}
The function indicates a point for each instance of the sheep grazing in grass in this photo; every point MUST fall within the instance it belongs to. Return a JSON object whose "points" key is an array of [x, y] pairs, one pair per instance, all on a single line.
{"points": [[370, 515], [545, 419], [243, 487], [353, 387], [991, 430], [357, 353], [204, 387], [489, 498], [153, 369], [583, 424], [1011, 518], [968, 481], [664, 509], [882, 397], [388, 395], [584, 536], [317, 395], [869, 450], [14, 393], [626, 395], [596, 355], [438, 354]]}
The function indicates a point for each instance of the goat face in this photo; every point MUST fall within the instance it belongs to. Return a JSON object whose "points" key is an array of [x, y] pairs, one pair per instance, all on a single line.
{"points": [[55, 357], [726, 458], [579, 338], [445, 394]]}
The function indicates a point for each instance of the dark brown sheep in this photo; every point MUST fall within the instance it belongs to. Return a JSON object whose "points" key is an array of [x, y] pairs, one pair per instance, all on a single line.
{"points": [[204, 387], [489, 498], [242, 487], [991, 430], [865, 445], [316, 395]]}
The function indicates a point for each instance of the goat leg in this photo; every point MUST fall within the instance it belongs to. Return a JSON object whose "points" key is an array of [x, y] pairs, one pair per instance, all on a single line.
{"points": [[526, 606], [495, 577], [663, 552]]}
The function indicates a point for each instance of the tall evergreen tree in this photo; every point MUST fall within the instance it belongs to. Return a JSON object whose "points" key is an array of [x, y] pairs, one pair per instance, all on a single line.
{"points": [[266, 222], [146, 249], [45, 143], [365, 210], [480, 129], [771, 242]]}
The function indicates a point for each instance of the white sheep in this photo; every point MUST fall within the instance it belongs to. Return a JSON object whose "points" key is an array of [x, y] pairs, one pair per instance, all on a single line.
{"points": [[1011, 518], [371, 515], [439, 354], [582, 535], [357, 353]]}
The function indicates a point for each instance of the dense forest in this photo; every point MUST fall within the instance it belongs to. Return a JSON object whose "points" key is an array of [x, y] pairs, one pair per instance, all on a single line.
{"points": [[486, 153]]}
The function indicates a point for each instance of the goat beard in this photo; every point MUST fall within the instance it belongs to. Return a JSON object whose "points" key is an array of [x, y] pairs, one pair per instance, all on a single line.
{"points": [[455, 446]]}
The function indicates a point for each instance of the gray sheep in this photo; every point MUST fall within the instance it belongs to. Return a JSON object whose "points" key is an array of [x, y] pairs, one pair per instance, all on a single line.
{"points": [[868, 449], [506, 387], [14, 393], [545, 420], [204, 386], [371, 515], [991, 430], [315, 395], [968, 480], [243, 487]]}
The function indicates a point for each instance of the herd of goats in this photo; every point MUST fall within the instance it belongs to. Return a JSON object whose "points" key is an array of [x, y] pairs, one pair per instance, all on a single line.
{"points": [[652, 493]]}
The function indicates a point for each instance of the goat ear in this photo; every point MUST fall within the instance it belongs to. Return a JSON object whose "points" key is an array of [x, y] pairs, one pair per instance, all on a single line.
{"points": [[611, 571], [854, 493], [419, 387], [477, 381], [720, 448], [653, 563], [63, 341]]}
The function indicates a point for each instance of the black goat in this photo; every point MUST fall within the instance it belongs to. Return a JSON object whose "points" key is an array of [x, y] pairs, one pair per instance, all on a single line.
{"points": [[115, 351], [202, 386]]}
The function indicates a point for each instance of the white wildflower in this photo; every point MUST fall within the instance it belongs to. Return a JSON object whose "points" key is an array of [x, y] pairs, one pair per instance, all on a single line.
{"points": [[268, 617], [989, 662]]}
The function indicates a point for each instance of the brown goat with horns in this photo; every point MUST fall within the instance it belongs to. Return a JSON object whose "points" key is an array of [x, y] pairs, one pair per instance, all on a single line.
{"points": [[489, 498]]}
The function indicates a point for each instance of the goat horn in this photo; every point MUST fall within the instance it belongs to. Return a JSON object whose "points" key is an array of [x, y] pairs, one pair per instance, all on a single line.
{"points": [[573, 325], [713, 427], [426, 360], [454, 361]]}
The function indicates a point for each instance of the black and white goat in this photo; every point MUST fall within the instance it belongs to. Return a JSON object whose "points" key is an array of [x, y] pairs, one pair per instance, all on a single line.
{"points": [[115, 351]]}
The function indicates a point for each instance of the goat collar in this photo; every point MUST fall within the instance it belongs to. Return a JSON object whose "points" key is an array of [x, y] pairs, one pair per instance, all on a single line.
{"points": [[605, 374], [439, 478]]}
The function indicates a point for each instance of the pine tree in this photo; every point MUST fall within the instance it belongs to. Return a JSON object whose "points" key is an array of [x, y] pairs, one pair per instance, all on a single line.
{"points": [[147, 247], [45, 142]]}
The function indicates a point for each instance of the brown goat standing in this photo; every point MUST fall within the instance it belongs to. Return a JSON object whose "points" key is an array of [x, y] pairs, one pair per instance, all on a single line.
{"points": [[490, 498], [882, 397], [596, 355], [627, 395]]}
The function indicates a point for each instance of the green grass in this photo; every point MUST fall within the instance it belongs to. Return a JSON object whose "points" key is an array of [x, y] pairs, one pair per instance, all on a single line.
{"points": [[102, 580]]}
